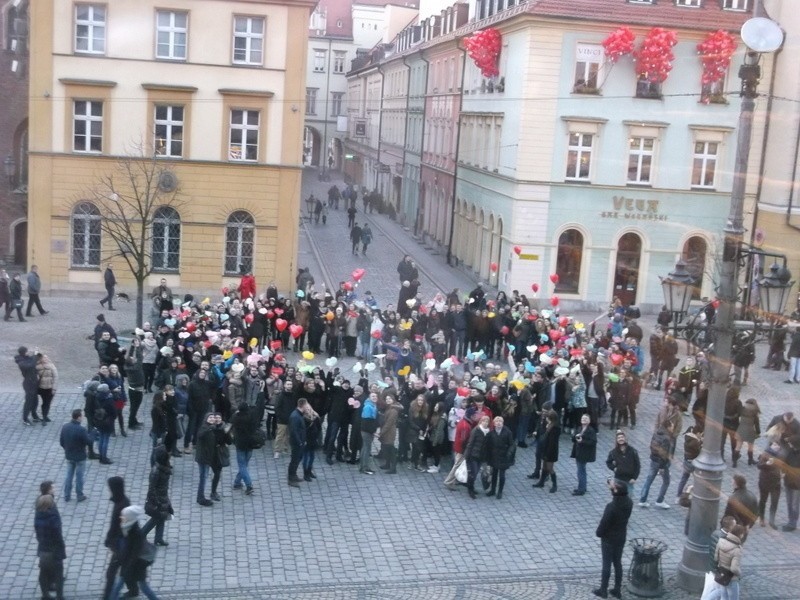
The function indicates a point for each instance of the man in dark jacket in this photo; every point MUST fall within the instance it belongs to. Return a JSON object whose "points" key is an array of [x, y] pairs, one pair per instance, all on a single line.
{"points": [[244, 426], [791, 481], [15, 293], [623, 460], [200, 393], [501, 450], [74, 440], [297, 440], [110, 281], [476, 451], [285, 403], [116, 486], [742, 503], [660, 446], [336, 433], [51, 549], [30, 383], [613, 531]]}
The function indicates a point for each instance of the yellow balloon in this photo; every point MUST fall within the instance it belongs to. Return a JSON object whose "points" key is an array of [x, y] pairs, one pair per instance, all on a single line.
{"points": [[206, 301], [502, 376], [227, 354], [253, 342], [491, 315], [308, 355], [404, 371], [518, 384]]}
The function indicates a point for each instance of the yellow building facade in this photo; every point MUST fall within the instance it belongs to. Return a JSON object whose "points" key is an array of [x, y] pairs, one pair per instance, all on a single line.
{"points": [[210, 94]]}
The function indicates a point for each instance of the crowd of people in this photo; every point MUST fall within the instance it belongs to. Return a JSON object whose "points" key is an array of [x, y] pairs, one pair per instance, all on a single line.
{"points": [[455, 384]]}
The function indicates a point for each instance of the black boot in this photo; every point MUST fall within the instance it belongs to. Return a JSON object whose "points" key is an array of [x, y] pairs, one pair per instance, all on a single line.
{"points": [[542, 480], [92, 455], [554, 489], [306, 475], [750, 460], [735, 460]]}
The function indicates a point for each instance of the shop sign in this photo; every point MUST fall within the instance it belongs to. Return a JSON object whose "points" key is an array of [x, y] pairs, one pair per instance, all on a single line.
{"points": [[637, 209]]}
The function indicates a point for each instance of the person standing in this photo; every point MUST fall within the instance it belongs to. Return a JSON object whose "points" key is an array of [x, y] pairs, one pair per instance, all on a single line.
{"points": [[158, 506], [742, 503], [584, 450], [313, 437], [460, 441], [351, 216], [116, 486], [501, 450], [552, 433], [30, 383], [247, 284], [284, 405], [297, 440], [5, 294], [211, 453], [769, 482], [728, 556], [366, 238], [104, 416], [110, 282], [15, 294], [475, 453], [51, 549], [244, 425], [389, 419], [48, 382], [74, 440], [369, 426], [623, 460], [613, 532], [34, 288], [791, 481]]}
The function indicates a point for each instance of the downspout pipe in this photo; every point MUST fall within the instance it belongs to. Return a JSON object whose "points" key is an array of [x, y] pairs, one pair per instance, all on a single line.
{"points": [[458, 145], [380, 126], [421, 185], [405, 129]]}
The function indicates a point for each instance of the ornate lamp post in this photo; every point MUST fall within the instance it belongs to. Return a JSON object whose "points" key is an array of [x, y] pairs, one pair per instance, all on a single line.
{"points": [[774, 291], [678, 288], [760, 36]]}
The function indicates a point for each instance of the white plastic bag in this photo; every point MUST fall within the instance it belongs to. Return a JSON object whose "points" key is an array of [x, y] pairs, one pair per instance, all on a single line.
{"points": [[462, 474], [710, 587]]}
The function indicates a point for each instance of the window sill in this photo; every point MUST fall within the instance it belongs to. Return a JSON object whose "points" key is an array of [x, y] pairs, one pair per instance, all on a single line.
{"points": [[581, 181], [586, 91], [88, 152], [714, 100], [86, 53], [167, 271], [84, 268], [171, 59], [649, 96], [635, 184], [699, 188], [249, 65]]}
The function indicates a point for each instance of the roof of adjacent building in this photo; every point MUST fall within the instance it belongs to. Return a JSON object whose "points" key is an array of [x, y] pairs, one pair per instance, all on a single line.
{"points": [[661, 13], [403, 3]]}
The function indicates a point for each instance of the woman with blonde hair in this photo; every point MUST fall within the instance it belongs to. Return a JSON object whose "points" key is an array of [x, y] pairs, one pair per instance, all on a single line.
{"points": [[748, 430]]}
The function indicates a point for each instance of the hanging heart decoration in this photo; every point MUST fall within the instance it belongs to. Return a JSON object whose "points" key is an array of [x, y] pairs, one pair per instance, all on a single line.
{"points": [[619, 43], [715, 56], [483, 48], [654, 56]]}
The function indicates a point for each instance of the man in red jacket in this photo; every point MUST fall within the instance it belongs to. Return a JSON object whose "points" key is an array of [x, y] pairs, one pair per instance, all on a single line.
{"points": [[247, 285], [463, 429]]}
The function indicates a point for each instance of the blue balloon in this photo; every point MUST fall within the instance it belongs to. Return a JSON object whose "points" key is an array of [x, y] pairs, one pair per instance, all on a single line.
{"points": [[511, 347]]}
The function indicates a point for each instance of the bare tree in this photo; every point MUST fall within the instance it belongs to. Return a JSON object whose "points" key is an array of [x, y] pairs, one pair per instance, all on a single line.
{"points": [[129, 199]]}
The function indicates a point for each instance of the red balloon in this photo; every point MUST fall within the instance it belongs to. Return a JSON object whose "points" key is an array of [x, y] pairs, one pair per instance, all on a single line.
{"points": [[191, 327], [517, 250], [296, 330], [554, 278], [275, 345], [279, 357], [358, 274], [429, 355], [348, 286], [543, 349], [493, 267], [535, 287], [504, 330], [279, 311], [554, 334], [280, 324], [270, 314], [616, 359], [563, 321], [248, 318], [463, 392], [554, 301], [376, 334]]}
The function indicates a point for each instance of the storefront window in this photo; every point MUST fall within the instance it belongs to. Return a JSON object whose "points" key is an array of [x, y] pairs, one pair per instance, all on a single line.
{"points": [[694, 255], [568, 261], [626, 272]]}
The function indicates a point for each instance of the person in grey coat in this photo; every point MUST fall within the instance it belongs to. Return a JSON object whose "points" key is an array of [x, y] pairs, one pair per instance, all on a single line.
{"points": [[34, 288]]}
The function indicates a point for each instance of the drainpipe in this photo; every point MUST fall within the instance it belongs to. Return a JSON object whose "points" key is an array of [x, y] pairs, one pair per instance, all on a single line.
{"points": [[420, 185], [324, 158], [455, 170], [405, 129], [380, 126]]}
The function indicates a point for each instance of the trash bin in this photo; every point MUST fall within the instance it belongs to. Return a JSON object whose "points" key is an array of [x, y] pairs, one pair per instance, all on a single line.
{"points": [[644, 575]]}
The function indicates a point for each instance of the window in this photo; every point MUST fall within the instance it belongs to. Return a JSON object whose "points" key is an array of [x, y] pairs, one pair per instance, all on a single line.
{"points": [[319, 61], [86, 235], [90, 28], [705, 164], [166, 252], [239, 236], [688, 2], [339, 58], [318, 19], [713, 93], [579, 156], [336, 103], [244, 135], [734, 4], [694, 255], [588, 61], [648, 89], [311, 101], [248, 40], [171, 33], [640, 159], [568, 261], [169, 131], [87, 126]]}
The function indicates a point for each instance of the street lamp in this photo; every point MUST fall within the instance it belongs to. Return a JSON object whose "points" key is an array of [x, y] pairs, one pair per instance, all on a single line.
{"points": [[678, 288], [774, 290], [760, 36], [310, 206], [10, 168]]}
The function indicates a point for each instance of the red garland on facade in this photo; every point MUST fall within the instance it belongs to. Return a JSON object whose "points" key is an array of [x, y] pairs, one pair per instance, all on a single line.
{"points": [[483, 48], [619, 43], [715, 55], [654, 57]]}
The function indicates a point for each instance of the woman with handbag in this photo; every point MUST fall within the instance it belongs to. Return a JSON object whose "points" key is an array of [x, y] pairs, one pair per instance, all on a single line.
{"points": [[211, 453], [158, 506], [728, 555], [135, 554]]}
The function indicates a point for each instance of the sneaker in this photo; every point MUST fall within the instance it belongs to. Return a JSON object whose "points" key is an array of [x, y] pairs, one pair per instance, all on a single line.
{"points": [[205, 502], [276, 456], [663, 505], [788, 381], [46, 420], [216, 497], [249, 491], [237, 486], [644, 505], [433, 469], [26, 422], [82, 497], [615, 593], [600, 593], [368, 472]]}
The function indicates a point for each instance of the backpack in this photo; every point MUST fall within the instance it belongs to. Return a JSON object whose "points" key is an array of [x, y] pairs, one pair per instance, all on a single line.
{"points": [[147, 554]]}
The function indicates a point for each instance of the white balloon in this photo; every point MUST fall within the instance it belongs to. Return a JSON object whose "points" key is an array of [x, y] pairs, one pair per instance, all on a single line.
{"points": [[357, 367]]}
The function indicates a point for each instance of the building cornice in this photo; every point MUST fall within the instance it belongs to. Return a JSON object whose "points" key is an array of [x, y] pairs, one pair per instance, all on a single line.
{"points": [[88, 82], [244, 92], [166, 87]]}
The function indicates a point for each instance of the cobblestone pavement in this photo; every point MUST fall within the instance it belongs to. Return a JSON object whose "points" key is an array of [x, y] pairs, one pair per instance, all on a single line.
{"points": [[344, 536]]}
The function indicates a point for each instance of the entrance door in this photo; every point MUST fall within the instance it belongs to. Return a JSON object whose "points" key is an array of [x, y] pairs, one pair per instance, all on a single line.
{"points": [[21, 243], [626, 272]]}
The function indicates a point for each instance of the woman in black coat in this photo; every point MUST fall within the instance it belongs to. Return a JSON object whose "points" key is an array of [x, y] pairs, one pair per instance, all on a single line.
{"points": [[500, 452], [584, 450], [158, 505], [550, 451], [244, 425], [51, 550], [133, 569], [211, 453], [476, 453]]}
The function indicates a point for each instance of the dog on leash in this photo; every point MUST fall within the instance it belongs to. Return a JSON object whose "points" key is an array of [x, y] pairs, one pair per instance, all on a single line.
{"points": [[122, 296]]}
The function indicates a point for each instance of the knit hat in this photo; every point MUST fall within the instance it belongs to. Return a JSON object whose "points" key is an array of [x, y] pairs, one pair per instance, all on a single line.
{"points": [[102, 388], [131, 515]]}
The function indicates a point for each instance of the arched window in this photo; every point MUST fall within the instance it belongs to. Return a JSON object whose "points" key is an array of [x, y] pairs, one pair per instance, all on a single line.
{"points": [[166, 251], [568, 261], [694, 255], [239, 237], [85, 235]]}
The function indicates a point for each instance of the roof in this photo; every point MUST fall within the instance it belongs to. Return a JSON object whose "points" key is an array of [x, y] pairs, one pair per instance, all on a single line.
{"points": [[403, 3], [662, 13], [336, 11]]}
